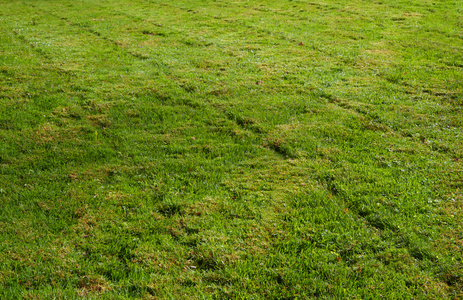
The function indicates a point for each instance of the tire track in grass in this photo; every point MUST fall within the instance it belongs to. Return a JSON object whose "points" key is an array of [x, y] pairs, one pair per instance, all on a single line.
{"points": [[116, 43], [277, 36], [118, 48], [372, 120], [92, 32], [283, 34], [46, 56], [188, 12]]}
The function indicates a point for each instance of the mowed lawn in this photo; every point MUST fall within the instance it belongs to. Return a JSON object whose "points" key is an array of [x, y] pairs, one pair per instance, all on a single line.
{"points": [[246, 149]]}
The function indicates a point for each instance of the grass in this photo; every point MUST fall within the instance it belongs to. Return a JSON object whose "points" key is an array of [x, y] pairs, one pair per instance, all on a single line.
{"points": [[244, 150]]}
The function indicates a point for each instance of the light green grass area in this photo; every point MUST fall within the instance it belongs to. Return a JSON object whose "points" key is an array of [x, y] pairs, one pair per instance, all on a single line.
{"points": [[247, 149]]}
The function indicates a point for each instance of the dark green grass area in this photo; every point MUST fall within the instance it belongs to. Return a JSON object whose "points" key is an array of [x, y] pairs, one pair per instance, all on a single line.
{"points": [[231, 150]]}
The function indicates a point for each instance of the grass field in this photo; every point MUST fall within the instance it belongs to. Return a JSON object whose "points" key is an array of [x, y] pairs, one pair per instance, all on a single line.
{"points": [[247, 149]]}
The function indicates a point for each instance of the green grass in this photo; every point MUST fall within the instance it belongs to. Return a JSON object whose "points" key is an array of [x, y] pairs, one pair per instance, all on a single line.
{"points": [[231, 150]]}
